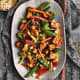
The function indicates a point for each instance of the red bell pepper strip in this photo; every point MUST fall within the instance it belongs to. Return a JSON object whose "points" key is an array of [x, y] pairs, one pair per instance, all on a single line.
{"points": [[38, 18], [29, 42], [41, 71]]}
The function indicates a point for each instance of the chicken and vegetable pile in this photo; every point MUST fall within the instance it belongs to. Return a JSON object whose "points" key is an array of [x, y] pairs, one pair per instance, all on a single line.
{"points": [[39, 40]]}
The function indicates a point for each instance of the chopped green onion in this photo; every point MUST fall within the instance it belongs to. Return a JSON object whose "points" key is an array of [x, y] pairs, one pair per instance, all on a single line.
{"points": [[20, 35]]}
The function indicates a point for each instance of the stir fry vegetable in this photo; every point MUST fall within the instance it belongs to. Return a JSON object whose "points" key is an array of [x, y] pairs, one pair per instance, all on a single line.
{"points": [[39, 40], [44, 6], [44, 63], [33, 70], [20, 35], [46, 29]]}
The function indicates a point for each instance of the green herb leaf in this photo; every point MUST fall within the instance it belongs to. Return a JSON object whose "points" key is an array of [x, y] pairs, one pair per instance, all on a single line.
{"points": [[46, 29], [50, 33]]}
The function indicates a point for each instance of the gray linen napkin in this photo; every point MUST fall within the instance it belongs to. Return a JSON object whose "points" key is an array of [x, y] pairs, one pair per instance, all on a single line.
{"points": [[2, 54]]}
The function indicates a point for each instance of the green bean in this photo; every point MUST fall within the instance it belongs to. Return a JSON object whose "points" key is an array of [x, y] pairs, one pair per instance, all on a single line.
{"points": [[44, 63], [44, 6], [32, 71]]}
